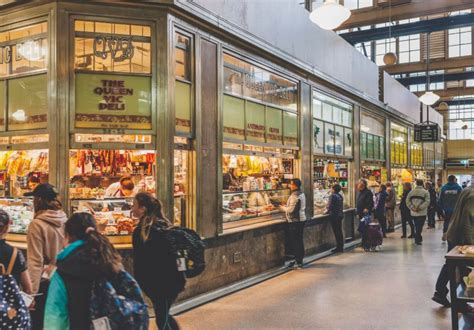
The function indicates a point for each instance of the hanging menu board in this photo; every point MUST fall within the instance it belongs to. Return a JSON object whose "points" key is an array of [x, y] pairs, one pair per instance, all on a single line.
{"points": [[427, 132]]}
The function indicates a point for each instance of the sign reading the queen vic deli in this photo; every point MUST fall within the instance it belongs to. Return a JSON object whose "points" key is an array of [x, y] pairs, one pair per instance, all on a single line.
{"points": [[113, 101], [427, 132]]}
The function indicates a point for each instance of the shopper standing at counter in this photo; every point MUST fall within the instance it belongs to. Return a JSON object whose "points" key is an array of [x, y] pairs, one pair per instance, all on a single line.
{"points": [[45, 238], [379, 209], [335, 211], [295, 216], [124, 188], [390, 204], [365, 199]]}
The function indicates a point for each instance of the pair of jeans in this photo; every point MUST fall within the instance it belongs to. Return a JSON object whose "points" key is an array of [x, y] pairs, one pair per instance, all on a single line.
{"points": [[408, 220], [161, 306], [431, 216], [419, 223], [447, 218], [336, 224], [380, 216], [295, 245]]}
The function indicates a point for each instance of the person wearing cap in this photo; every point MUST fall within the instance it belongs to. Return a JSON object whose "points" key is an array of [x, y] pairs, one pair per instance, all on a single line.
{"points": [[45, 238]]}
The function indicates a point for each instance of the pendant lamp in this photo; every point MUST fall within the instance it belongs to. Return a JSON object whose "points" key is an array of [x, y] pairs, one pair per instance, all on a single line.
{"points": [[329, 15], [429, 98], [390, 58]]}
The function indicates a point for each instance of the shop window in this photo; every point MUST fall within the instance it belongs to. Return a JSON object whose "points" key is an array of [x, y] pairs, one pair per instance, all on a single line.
{"points": [[27, 103], [326, 173], [184, 84], [24, 49], [21, 171], [274, 125], [255, 118], [318, 136], [234, 118], [112, 47], [332, 125], [290, 128], [96, 173], [183, 202], [250, 81], [254, 187]]}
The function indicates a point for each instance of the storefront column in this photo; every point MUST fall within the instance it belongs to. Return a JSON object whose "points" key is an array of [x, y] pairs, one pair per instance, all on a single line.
{"points": [[165, 114], [306, 138], [357, 172], [58, 116], [208, 140], [388, 155], [409, 142]]}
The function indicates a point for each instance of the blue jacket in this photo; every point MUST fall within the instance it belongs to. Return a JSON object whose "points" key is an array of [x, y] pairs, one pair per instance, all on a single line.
{"points": [[449, 196], [56, 310], [380, 198]]}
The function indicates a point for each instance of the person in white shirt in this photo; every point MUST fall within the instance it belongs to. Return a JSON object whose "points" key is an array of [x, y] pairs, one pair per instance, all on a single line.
{"points": [[124, 188]]}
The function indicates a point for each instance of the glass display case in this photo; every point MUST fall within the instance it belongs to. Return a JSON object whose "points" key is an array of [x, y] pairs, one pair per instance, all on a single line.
{"points": [[399, 176], [252, 204], [326, 173], [113, 216], [374, 174], [20, 211], [255, 186]]}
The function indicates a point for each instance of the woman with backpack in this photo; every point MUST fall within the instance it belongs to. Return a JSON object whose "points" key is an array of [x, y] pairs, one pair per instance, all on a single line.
{"points": [[154, 262], [88, 259]]}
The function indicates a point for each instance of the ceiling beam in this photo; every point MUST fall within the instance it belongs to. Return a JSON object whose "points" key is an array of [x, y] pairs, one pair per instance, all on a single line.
{"points": [[424, 26], [416, 8], [447, 94], [437, 78], [435, 64], [460, 102]]}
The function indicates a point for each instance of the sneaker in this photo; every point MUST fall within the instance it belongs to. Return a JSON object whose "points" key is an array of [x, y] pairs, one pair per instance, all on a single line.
{"points": [[411, 236], [445, 237], [291, 264], [440, 299], [418, 243]]}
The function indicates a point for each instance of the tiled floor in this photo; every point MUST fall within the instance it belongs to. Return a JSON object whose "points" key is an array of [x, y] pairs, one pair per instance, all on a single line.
{"points": [[390, 289]]}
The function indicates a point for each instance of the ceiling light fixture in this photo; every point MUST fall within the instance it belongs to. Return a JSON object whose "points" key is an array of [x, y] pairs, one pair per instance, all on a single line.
{"points": [[329, 15], [429, 98], [390, 58]]}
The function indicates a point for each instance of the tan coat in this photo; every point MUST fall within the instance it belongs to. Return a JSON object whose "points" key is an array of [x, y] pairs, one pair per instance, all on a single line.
{"points": [[45, 239]]}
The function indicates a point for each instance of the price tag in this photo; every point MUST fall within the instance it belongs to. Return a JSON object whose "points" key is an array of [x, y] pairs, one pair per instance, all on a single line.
{"points": [[101, 323], [181, 264]]}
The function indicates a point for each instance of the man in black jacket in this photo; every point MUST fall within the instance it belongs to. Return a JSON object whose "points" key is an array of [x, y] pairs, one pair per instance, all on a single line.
{"points": [[365, 199]]}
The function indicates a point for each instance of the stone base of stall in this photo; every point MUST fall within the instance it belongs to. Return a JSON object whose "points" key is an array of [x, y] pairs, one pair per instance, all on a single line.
{"points": [[238, 256]]}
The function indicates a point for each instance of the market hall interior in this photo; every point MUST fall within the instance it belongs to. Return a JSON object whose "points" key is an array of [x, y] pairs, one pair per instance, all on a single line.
{"points": [[297, 133]]}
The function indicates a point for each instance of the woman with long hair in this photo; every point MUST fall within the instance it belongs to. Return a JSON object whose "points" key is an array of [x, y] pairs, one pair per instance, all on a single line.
{"points": [[88, 257], [155, 264]]}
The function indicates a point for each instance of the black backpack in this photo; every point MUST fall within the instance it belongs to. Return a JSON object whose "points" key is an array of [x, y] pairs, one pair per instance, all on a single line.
{"points": [[189, 248]]}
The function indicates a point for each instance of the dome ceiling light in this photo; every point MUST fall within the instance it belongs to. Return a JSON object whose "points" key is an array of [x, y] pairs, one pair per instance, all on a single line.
{"points": [[329, 15]]}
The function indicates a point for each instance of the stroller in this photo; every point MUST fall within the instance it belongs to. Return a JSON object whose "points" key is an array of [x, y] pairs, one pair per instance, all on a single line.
{"points": [[371, 233]]}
